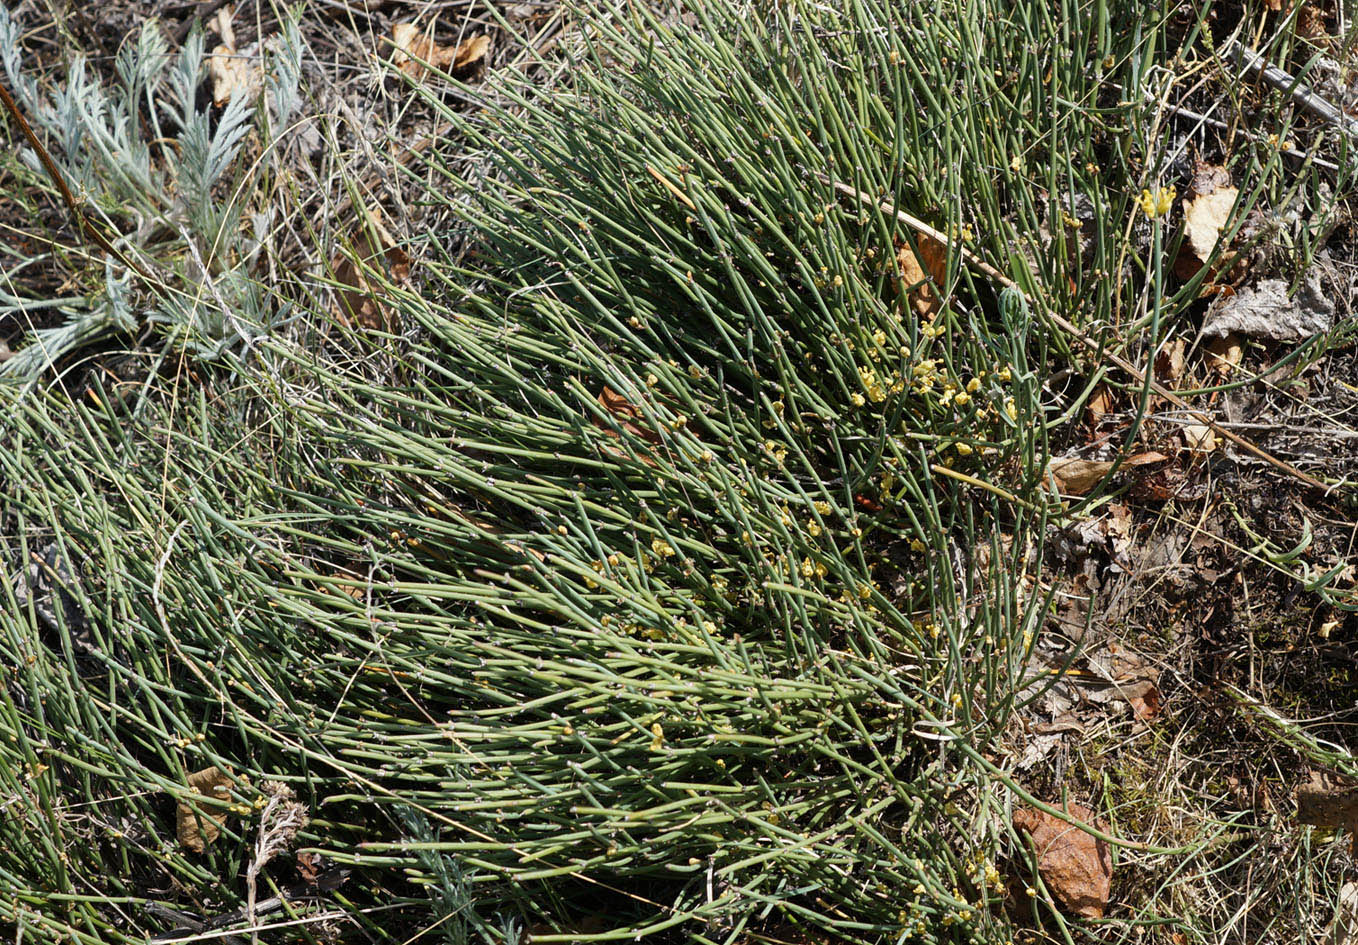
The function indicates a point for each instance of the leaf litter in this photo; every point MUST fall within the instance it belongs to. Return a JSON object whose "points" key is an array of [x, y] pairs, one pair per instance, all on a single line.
{"points": [[1268, 310], [1076, 867], [416, 52], [197, 826]]}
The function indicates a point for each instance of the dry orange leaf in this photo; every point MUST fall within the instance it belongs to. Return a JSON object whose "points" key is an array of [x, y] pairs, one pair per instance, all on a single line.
{"points": [[1100, 404], [1224, 353], [358, 302], [195, 826], [1169, 363], [1075, 476], [925, 268], [1076, 867], [626, 411], [416, 51], [1146, 704]]}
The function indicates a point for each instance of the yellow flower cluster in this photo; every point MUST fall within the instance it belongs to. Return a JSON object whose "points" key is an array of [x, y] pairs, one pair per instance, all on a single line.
{"points": [[777, 450], [812, 569], [1157, 203], [979, 864]]}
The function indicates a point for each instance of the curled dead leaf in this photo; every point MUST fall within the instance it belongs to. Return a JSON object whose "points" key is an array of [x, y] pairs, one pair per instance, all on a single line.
{"points": [[198, 825], [373, 250], [1099, 405], [413, 49], [1076, 867], [1224, 353], [416, 52], [1169, 363], [471, 54], [1204, 219], [1199, 437], [924, 267], [1207, 210], [1311, 26], [1149, 458], [1075, 476], [235, 73], [626, 412], [309, 865], [1145, 703]]}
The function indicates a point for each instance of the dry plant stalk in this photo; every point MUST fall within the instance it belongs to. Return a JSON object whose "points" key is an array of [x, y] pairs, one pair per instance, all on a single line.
{"points": [[282, 817]]}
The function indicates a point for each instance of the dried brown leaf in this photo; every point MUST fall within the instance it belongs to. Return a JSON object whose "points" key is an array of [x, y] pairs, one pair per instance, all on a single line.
{"points": [[1145, 704], [1224, 353], [1075, 866], [414, 48], [221, 22], [1199, 437], [1075, 476], [1099, 405], [1118, 527], [198, 825], [308, 866], [373, 248], [618, 405], [1167, 482], [1264, 310], [1205, 216], [471, 54], [925, 268], [1149, 458], [1169, 363], [625, 411], [416, 51], [1311, 25], [234, 73]]}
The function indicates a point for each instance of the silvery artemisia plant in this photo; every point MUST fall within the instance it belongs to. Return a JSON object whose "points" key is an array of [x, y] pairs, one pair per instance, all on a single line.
{"points": [[179, 208]]}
